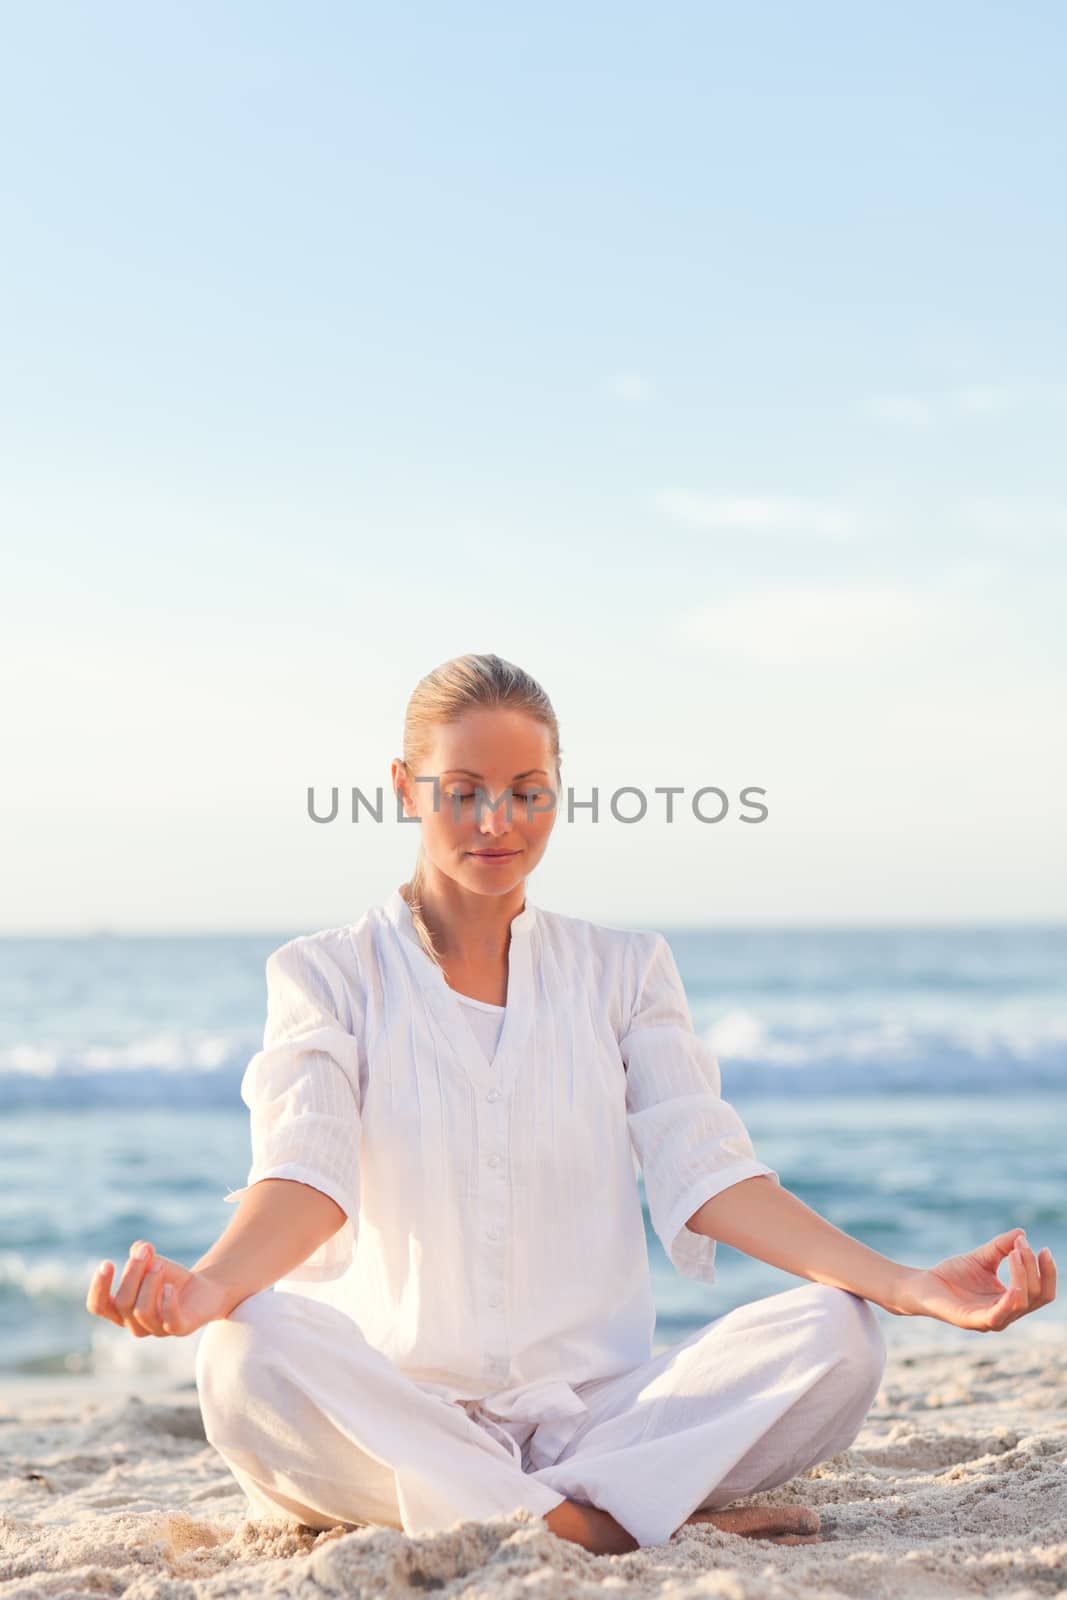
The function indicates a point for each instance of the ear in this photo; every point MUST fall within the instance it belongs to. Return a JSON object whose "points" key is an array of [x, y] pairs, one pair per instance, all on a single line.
{"points": [[399, 773]]}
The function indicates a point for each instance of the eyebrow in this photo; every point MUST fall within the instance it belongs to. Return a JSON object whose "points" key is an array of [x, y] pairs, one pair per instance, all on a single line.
{"points": [[467, 773]]}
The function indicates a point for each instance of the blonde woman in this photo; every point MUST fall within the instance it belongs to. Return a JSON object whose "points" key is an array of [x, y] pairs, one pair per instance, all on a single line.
{"points": [[448, 1114]]}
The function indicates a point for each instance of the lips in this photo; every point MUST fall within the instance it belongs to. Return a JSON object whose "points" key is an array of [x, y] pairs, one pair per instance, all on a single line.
{"points": [[493, 855]]}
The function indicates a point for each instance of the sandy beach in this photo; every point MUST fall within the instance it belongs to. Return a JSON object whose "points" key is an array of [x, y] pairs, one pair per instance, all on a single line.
{"points": [[957, 1485]]}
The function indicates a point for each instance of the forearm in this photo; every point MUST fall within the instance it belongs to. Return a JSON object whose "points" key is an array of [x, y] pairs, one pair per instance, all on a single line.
{"points": [[771, 1223], [276, 1226]]}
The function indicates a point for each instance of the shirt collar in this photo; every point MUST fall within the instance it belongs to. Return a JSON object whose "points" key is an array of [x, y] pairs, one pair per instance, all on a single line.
{"points": [[398, 912]]}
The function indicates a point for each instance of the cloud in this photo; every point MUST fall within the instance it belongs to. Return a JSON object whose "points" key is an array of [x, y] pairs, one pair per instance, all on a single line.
{"points": [[922, 410], [629, 386], [907, 408], [763, 513], [981, 398], [784, 627], [1020, 521]]}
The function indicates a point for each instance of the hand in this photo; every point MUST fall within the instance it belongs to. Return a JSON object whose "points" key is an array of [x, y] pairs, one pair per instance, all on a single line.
{"points": [[966, 1291], [140, 1303]]}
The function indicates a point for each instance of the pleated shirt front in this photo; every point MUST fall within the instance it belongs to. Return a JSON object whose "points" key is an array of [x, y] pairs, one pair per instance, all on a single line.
{"points": [[494, 1244]]}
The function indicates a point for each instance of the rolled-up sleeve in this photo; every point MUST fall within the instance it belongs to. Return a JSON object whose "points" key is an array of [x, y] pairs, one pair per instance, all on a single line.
{"points": [[689, 1141], [303, 1091]]}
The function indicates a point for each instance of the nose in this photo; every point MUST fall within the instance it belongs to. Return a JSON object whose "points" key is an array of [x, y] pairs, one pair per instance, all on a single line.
{"points": [[496, 823]]}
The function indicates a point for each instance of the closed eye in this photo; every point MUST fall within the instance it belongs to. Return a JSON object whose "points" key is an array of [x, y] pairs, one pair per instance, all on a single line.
{"points": [[520, 794]]}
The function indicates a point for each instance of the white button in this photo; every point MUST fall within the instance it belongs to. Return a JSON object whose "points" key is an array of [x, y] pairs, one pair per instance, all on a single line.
{"points": [[494, 1094], [496, 1299], [494, 1161]]}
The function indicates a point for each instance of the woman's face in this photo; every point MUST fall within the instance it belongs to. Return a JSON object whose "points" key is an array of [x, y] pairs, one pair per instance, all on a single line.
{"points": [[490, 755]]}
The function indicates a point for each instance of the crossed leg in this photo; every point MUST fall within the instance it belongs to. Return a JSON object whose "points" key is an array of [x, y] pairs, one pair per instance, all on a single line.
{"points": [[743, 1405], [316, 1424]]}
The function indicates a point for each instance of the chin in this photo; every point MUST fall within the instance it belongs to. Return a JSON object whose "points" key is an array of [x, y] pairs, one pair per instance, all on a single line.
{"points": [[493, 880]]}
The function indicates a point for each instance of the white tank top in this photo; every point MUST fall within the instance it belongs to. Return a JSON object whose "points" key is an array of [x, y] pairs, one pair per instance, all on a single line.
{"points": [[485, 1020]]}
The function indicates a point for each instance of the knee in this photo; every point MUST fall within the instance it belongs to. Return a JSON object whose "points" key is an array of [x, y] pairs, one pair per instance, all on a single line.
{"points": [[846, 1325], [230, 1358]]}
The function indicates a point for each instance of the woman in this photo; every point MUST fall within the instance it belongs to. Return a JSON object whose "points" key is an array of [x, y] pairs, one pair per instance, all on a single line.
{"points": [[448, 1114]]}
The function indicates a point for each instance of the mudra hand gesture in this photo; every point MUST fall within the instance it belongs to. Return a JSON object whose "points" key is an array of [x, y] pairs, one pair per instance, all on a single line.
{"points": [[155, 1296], [967, 1291]]}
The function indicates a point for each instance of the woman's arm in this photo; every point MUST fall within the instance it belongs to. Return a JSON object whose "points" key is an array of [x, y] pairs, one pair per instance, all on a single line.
{"points": [[767, 1221], [277, 1225]]}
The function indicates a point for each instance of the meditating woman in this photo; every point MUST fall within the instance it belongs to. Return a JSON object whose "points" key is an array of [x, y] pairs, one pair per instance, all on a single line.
{"points": [[433, 1301]]}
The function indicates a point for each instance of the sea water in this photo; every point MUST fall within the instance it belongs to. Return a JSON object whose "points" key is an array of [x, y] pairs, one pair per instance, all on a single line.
{"points": [[908, 1084]]}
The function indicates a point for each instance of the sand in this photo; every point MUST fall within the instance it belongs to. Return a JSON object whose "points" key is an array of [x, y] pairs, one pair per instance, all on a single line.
{"points": [[957, 1485]]}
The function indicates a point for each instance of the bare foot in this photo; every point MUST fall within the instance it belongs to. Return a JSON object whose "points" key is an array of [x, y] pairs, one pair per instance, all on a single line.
{"points": [[776, 1524], [590, 1527], [597, 1530]]}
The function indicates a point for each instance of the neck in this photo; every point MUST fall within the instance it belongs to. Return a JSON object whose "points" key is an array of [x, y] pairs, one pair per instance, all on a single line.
{"points": [[466, 926]]}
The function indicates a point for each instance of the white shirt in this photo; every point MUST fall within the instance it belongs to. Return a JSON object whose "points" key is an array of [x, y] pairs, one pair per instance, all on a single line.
{"points": [[494, 1246]]}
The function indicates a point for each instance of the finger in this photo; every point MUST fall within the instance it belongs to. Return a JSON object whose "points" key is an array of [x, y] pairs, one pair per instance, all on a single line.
{"points": [[1048, 1276], [132, 1274], [133, 1269], [99, 1300], [168, 1316], [992, 1253], [1031, 1270], [1007, 1308], [146, 1306], [1018, 1293]]}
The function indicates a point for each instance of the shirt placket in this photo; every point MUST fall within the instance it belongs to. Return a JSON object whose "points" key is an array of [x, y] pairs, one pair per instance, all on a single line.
{"points": [[492, 1227], [492, 1084]]}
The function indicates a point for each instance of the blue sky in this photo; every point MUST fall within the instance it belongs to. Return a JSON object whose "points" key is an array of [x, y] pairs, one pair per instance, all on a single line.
{"points": [[707, 360]]}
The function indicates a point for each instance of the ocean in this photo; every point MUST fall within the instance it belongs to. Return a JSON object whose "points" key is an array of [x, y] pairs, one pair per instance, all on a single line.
{"points": [[908, 1084]]}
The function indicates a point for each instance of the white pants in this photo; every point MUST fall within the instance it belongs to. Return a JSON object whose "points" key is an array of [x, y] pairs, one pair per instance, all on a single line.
{"points": [[318, 1427]]}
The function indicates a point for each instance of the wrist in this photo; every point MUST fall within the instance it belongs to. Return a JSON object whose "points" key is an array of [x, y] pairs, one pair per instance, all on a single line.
{"points": [[222, 1286], [901, 1300]]}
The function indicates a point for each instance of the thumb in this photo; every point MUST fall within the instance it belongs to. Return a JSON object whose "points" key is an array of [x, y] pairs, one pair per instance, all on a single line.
{"points": [[169, 1315], [992, 1253], [181, 1311]]}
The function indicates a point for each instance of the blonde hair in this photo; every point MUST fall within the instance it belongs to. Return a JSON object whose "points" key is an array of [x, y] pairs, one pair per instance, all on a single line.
{"points": [[443, 695]]}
